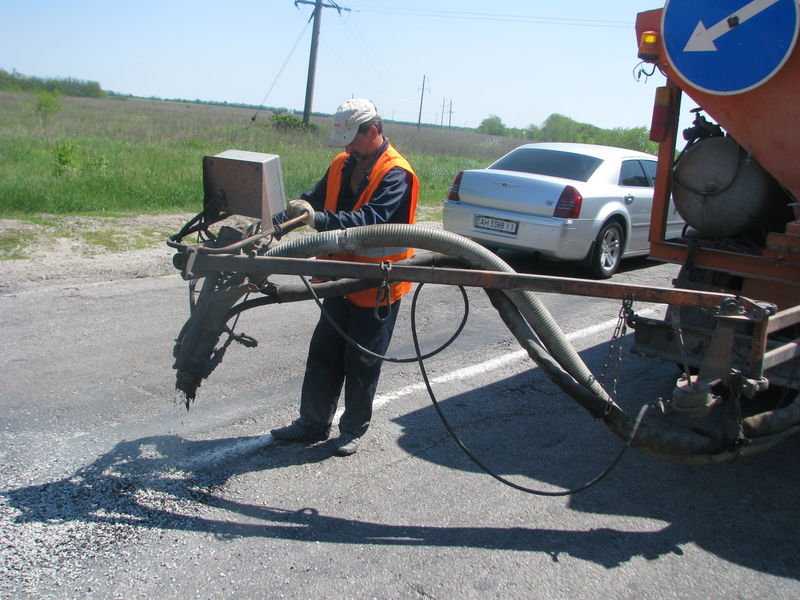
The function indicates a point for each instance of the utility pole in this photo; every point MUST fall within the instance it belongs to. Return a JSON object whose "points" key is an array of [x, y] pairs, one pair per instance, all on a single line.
{"points": [[421, 96], [312, 59], [441, 125], [450, 117]]}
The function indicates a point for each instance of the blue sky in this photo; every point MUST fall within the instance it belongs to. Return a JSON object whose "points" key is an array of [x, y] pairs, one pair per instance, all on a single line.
{"points": [[519, 60]]}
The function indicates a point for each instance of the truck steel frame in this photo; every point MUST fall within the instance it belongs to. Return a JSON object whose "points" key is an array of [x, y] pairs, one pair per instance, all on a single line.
{"points": [[229, 273], [733, 317]]}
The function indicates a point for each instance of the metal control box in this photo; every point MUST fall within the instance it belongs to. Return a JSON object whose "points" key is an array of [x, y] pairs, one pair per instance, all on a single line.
{"points": [[250, 183]]}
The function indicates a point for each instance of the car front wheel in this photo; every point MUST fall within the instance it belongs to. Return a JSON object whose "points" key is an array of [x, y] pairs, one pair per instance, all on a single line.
{"points": [[607, 252]]}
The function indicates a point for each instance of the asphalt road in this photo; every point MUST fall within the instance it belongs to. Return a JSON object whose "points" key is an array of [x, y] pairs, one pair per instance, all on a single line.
{"points": [[112, 489]]}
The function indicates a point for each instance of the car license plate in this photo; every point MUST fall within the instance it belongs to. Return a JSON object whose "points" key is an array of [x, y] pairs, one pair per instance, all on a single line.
{"points": [[496, 224]]}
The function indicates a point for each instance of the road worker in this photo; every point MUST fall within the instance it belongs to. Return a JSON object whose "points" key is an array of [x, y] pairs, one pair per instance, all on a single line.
{"points": [[369, 183]]}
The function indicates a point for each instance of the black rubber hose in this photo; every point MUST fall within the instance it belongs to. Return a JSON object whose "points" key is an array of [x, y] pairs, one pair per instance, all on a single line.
{"points": [[682, 447]]}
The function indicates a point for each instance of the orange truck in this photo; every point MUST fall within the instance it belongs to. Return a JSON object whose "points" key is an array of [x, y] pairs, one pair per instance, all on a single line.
{"points": [[733, 319], [735, 179]]}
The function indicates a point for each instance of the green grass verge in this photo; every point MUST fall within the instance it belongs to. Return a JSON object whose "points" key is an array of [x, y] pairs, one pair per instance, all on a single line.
{"points": [[110, 157]]}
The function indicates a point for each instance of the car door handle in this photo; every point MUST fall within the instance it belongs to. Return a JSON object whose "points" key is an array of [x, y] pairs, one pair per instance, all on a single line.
{"points": [[629, 198]]}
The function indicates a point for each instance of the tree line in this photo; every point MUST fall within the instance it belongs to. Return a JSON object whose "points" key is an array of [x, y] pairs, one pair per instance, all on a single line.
{"points": [[17, 82], [558, 128]]}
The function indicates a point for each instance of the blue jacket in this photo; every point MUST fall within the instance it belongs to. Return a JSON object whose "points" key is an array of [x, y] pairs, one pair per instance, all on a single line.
{"points": [[389, 204]]}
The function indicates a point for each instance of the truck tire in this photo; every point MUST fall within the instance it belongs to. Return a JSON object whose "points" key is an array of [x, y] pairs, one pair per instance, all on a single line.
{"points": [[607, 252]]}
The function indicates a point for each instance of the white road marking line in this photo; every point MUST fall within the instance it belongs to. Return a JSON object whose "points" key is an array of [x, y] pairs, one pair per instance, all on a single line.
{"points": [[226, 452], [489, 365], [254, 444]]}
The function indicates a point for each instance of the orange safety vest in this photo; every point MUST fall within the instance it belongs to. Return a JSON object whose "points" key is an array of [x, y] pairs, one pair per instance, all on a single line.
{"points": [[388, 160]]}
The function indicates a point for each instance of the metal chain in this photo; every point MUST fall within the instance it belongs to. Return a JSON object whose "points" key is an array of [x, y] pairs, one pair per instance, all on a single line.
{"points": [[675, 321], [615, 348]]}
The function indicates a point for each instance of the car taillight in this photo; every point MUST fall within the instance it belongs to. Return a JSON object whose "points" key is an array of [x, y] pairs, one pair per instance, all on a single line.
{"points": [[453, 195], [569, 204]]}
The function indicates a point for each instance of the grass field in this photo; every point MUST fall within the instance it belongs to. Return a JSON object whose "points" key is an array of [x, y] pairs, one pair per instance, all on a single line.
{"points": [[133, 156]]}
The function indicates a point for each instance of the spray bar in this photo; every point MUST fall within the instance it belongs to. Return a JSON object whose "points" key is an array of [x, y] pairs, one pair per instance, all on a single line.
{"points": [[198, 265]]}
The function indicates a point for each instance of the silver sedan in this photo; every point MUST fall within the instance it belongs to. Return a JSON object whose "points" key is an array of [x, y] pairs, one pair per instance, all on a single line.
{"points": [[575, 202]]}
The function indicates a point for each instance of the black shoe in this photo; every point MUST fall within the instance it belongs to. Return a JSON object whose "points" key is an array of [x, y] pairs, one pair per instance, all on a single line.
{"points": [[298, 432], [345, 444]]}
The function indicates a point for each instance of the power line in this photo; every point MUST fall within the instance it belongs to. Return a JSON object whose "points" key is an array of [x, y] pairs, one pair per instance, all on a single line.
{"points": [[483, 16], [280, 71], [372, 57], [345, 64]]}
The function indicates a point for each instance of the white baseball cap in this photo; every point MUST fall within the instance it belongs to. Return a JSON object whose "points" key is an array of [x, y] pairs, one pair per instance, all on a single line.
{"points": [[347, 119]]}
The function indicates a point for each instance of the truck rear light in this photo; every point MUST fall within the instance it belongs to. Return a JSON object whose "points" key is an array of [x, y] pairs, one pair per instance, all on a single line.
{"points": [[453, 195], [662, 112], [569, 204]]}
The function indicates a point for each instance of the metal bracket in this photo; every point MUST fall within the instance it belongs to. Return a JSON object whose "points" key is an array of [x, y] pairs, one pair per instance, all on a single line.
{"points": [[739, 306], [748, 386], [384, 293]]}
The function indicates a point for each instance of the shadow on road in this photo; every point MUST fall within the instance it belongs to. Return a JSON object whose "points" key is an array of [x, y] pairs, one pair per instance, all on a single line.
{"points": [[524, 262], [125, 489], [743, 512], [526, 430]]}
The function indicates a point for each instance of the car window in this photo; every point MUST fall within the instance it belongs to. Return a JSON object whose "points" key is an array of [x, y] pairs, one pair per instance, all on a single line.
{"points": [[554, 163], [632, 174], [650, 168]]}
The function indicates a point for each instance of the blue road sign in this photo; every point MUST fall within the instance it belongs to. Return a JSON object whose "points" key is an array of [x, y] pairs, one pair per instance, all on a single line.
{"points": [[729, 46]]}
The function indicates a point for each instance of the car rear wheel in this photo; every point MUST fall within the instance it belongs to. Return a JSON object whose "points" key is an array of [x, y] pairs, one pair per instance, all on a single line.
{"points": [[607, 252]]}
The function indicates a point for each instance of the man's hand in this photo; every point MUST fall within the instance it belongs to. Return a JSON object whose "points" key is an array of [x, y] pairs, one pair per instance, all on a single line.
{"points": [[296, 208]]}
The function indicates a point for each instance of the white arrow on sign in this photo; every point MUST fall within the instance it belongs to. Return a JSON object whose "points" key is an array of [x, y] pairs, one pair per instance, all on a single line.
{"points": [[702, 40]]}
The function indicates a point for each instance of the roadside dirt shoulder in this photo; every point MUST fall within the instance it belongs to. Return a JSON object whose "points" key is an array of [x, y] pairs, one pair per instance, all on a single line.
{"points": [[48, 251], [56, 251]]}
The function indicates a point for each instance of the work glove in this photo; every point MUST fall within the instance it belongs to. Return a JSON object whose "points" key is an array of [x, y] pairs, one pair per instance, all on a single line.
{"points": [[295, 208]]}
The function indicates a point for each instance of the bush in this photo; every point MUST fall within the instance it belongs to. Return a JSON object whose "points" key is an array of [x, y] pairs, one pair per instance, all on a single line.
{"points": [[292, 123], [47, 105], [71, 160], [66, 158]]}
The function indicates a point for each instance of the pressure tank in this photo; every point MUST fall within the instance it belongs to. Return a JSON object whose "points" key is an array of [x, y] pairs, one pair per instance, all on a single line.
{"points": [[720, 190]]}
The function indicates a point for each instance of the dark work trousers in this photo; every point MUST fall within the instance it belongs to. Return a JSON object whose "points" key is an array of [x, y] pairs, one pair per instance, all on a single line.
{"points": [[333, 362]]}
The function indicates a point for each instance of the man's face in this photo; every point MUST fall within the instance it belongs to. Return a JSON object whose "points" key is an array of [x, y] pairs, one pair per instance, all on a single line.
{"points": [[363, 145]]}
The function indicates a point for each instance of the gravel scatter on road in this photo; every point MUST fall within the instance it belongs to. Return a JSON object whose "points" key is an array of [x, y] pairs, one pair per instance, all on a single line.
{"points": [[57, 523], [51, 533]]}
